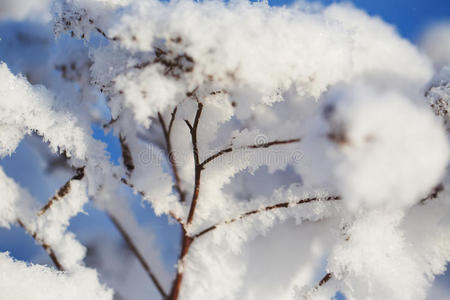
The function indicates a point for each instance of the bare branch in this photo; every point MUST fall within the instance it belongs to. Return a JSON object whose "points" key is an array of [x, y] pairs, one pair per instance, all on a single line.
{"points": [[126, 182], [126, 155], [170, 156], [172, 119], [267, 208], [178, 219], [433, 194], [138, 255], [258, 146], [187, 240], [218, 154], [172, 214], [64, 190], [176, 285], [44, 245], [273, 143], [188, 124], [325, 279], [198, 166]]}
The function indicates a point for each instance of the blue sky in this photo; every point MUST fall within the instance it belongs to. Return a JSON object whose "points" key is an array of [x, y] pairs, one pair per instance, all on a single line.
{"points": [[409, 16]]}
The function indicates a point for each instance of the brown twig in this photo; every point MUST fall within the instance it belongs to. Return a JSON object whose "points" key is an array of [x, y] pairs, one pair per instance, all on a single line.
{"points": [[170, 154], [138, 255], [176, 286], [175, 65], [64, 190], [433, 194], [44, 245], [102, 33], [172, 119], [129, 164], [172, 214], [267, 208], [198, 167], [257, 146], [216, 155], [186, 239], [325, 279], [273, 143], [126, 155]]}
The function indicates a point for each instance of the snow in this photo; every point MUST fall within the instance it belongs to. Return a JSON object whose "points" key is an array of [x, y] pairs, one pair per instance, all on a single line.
{"points": [[23, 9], [368, 133], [15, 202], [320, 136], [437, 34], [315, 50], [25, 282]]}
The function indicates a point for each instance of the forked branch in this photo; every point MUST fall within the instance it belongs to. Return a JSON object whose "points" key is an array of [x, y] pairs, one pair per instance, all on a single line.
{"points": [[186, 239], [198, 167]]}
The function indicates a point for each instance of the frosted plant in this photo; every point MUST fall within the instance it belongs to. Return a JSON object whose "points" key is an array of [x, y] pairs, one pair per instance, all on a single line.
{"points": [[302, 150]]}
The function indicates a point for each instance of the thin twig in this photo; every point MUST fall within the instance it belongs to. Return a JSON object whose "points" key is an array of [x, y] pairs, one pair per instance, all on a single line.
{"points": [[186, 239], [273, 143], [126, 182], [198, 166], [257, 146], [267, 208], [216, 155], [325, 279], [138, 255], [170, 154], [44, 245], [172, 119], [128, 162], [126, 155], [171, 213], [433, 194], [64, 190]]}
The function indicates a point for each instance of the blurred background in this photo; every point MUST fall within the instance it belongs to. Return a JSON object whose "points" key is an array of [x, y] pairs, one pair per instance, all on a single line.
{"points": [[27, 45]]}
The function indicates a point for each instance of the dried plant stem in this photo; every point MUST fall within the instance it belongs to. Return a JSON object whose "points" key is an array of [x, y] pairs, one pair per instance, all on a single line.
{"points": [[176, 286], [267, 208], [186, 239], [257, 146], [433, 194], [126, 237], [167, 131], [198, 167], [64, 190], [44, 245], [129, 166], [325, 279]]}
